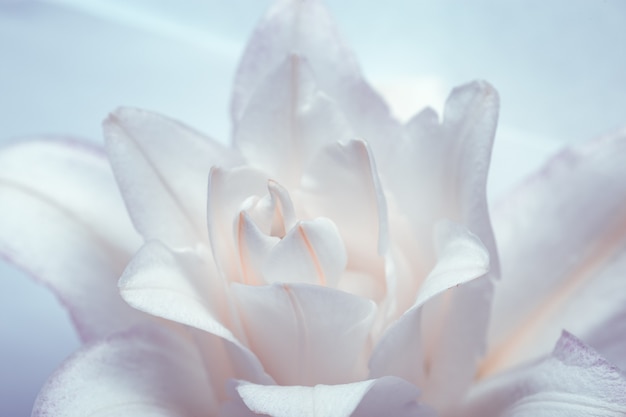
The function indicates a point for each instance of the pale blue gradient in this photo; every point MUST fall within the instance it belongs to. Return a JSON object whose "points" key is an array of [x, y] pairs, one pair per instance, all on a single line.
{"points": [[560, 68]]}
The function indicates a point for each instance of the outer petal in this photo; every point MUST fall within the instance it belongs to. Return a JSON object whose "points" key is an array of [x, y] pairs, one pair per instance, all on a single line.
{"points": [[385, 396], [574, 381], [305, 28], [146, 371], [162, 168], [183, 287], [306, 334], [424, 357], [563, 242], [62, 220], [287, 120]]}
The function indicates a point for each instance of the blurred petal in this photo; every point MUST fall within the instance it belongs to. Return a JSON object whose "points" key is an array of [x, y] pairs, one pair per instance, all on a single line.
{"points": [[287, 120], [312, 252], [437, 361], [305, 334], [373, 398], [562, 236], [146, 371], [162, 167], [183, 287], [609, 338], [306, 29], [63, 221], [574, 381]]}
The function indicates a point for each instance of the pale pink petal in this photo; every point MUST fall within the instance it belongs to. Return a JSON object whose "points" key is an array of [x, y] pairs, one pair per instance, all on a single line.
{"points": [[312, 252], [162, 168], [254, 247], [184, 287], [146, 371], [427, 352], [62, 220], [228, 191], [574, 381], [286, 121], [305, 28], [562, 237], [306, 334], [373, 398], [342, 184]]}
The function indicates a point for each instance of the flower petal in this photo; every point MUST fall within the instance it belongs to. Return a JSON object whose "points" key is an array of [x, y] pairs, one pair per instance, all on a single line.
{"points": [[312, 252], [384, 396], [562, 237], [63, 221], [306, 334], [183, 287], [146, 371], [162, 168], [286, 121], [438, 354], [305, 28], [574, 381]]}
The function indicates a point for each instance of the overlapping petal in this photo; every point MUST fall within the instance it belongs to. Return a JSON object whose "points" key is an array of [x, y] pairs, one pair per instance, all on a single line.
{"points": [[551, 281], [161, 167], [63, 221], [305, 334], [574, 381], [145, 371]]}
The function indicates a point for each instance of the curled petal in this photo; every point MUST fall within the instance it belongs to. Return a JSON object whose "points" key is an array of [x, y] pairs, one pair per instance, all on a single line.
{"points": [[145, 371], [562, 237], [312, 252], [162, 167], [182, 287], [305, 334], [384, 396], [63, 221], [574, 381]]}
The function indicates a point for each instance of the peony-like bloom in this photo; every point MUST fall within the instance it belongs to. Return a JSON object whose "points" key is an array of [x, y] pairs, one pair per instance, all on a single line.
{"points": [[332, 262]]}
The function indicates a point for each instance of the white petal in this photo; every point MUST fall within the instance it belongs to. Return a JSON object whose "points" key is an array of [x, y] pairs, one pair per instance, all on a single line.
{"points": [[312, 252], [562, 237], [63, 221], [183, 287], [342, 184], [439, 355], [146, 371], [373, 398], [228, 190], [162, 168], [574, 381], [286, 121], [305, 334], [305, 28]]}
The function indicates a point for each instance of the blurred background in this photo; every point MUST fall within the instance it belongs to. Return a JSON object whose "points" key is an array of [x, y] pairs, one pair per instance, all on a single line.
{"points": [[559, 66]]}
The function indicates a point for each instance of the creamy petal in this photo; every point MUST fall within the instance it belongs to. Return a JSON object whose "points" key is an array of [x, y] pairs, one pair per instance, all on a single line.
{"points": [[162, 167], [63, 221], [305, 334], [146, 371], [428, 353], [373, 398], [183, 287], [562, 237], [574, 381], [305, 28], [312, 252], [286, 121]]}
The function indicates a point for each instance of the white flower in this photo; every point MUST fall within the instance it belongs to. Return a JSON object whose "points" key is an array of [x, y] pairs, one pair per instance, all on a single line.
{"points": [[331, 262]]}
